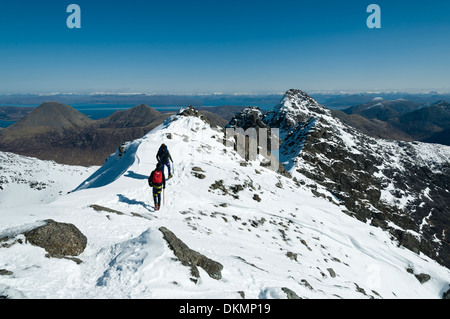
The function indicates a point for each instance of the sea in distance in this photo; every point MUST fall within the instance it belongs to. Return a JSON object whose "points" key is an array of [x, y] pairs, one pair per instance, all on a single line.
{"points": [[96, 112]]}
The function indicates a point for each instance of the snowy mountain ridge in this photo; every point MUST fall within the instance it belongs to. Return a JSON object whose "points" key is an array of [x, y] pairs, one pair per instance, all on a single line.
{"points": [[273, 236]]}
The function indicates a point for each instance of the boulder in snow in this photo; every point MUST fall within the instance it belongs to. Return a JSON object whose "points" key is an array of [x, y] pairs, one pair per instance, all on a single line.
{"points": [[58, 239], [192, 258]]}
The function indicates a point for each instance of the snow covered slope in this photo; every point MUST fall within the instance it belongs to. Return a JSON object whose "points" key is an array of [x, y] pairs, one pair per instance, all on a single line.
{"points": [[27, 180], [273, 237]]}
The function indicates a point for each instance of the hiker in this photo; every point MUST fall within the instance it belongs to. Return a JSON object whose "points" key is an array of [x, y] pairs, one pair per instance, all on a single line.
{"points": [[157, 180], [163, 157]]}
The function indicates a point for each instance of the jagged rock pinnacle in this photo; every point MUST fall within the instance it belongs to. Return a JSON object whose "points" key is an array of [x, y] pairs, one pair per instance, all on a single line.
{"points": [[295, 106], [191, 111], [249, 117]]}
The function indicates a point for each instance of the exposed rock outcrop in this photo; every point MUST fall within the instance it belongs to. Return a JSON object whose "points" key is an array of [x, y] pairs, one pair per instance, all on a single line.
{"points": [[58, 239], [191, 111], [191, 258]]}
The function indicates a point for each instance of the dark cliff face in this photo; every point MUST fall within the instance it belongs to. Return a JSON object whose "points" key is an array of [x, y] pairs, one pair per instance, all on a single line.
{"points": [[398, 186]]}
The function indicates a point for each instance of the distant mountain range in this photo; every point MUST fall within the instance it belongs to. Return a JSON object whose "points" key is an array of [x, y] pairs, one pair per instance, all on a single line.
{"points": [[401, 120], [382, 109], [345, 100]]}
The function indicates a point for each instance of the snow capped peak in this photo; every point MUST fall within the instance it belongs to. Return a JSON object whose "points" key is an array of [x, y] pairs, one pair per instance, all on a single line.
{"points": [[299, 95], [296, 106]]}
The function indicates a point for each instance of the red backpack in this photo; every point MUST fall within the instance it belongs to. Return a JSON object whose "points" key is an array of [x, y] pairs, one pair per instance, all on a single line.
{"points": [[157, 177]]}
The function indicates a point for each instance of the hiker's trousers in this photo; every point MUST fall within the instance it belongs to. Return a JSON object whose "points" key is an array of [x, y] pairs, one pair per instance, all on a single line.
{"points": [[157, 195], [167, 165]]}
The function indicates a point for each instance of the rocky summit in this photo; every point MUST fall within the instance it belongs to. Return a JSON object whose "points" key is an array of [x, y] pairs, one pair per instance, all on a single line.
{"points": [[401, 187]]}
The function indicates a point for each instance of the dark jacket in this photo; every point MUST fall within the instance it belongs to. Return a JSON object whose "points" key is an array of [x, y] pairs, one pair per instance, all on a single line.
{"points": [[158, 185], [163, 156]]}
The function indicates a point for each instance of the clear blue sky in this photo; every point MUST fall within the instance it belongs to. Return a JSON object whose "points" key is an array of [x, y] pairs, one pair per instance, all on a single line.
{"points": [[227, 46]]}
